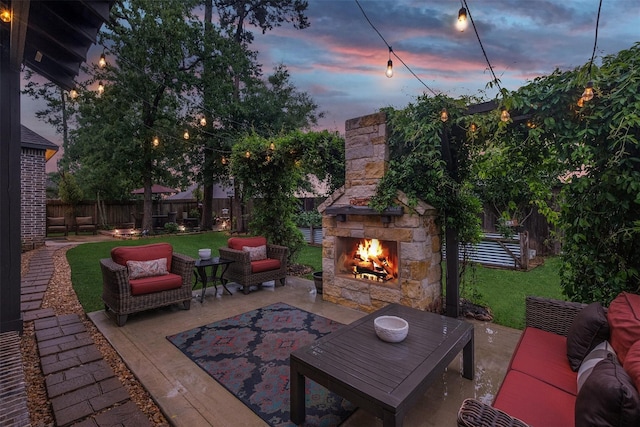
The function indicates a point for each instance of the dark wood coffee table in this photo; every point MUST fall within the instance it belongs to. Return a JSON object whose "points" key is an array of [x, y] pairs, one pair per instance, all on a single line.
{"points": [[383, 378]]}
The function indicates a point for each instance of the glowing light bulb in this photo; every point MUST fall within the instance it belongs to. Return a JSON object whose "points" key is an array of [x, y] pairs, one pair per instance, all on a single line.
{"points": [[580, 102], [73, 94], [462, 23], [473, 127], [389, 72], [247, 154], [223, 160], [203, 121], [587, 95], [444, 115], [102, 62], [100, 88], [186, 134], [156, 141], [5, 15], [272, 146], [505, 116]]}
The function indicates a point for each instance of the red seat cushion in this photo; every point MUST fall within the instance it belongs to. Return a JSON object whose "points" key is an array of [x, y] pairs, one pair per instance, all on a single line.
{"points": [[624, 321], [238, 242], [265, 265], [147, 285], [543, 355], [535, 402], [122, 254]]}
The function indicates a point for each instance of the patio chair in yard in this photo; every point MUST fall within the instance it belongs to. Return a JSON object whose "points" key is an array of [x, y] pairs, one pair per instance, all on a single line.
{"points": [[138, 278], [255, 261], [57, 224], [86, 224]]}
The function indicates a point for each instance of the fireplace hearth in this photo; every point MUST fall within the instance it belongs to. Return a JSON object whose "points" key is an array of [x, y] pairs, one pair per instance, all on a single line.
{"points": [[370, 258]]}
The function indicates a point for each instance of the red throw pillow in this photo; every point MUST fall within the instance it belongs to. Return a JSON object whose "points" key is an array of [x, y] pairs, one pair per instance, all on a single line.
{"points": [[632, 363], [624, 321]]}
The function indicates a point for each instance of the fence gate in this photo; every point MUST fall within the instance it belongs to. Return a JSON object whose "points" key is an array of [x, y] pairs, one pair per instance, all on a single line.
{"points": [[494, 250]]}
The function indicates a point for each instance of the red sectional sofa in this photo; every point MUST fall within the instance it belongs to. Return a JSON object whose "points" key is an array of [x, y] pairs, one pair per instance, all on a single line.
{"points": [[138, 278], [562, 341]]}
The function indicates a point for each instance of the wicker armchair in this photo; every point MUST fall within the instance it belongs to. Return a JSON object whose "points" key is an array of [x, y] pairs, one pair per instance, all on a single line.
{"points": [[542, 313], [246, 272], [116, 287]]}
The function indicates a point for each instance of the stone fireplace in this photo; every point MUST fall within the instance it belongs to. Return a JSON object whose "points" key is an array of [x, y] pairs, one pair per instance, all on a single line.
{"points": [[371, 258]]}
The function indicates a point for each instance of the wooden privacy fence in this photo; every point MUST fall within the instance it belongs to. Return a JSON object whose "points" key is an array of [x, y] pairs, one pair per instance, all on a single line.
{"points": [[124, 213]]}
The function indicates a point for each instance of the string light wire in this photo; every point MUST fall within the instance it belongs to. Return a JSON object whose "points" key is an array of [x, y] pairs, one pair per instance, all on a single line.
{"points": [[473, 24], [393, 51]]}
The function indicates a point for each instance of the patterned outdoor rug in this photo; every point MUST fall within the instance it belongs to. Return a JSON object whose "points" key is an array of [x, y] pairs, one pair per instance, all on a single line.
{"points": [[249, 355]]}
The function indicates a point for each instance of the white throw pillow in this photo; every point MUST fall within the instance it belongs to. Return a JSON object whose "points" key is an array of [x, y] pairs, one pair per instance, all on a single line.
{"points": [[598, 353], [256, 253], [140, 269]]}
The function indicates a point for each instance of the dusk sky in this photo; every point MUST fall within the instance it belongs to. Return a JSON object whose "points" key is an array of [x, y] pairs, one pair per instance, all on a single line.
{"points": [[340, 60]]}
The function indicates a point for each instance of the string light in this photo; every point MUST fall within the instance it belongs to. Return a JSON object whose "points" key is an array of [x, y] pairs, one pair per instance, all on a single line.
{"points": [[473, 127], [203, 121], [100, 88], [247, 154], [389, 72], [156, 141], [102, 62], [587, 95], [73, 94], [580, 102], [531, 124], [186, 134], [462, 23], [505, 116], [391, 51], [444, 115], [272, 146], [5, 15], [223, 160]]}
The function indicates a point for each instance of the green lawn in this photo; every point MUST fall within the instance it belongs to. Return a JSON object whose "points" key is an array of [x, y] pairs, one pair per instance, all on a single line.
{"points": [[502, 290]]}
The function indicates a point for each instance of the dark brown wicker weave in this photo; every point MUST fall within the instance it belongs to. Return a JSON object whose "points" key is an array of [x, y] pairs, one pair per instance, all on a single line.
{"points": [[543, 313], [116, 291], [240, 270]]}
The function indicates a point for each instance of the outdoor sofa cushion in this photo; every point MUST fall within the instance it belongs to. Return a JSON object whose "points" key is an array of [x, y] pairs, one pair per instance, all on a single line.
{"points": [[542, 355], [534, 401], [632, 363], [588, 329], [154, 251], [122, 254], [238, 242], [608, 397], [624, 320], [147, 285]]}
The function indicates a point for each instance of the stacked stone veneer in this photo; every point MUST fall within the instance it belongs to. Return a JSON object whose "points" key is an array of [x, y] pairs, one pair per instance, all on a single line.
{"points": [[416, 232], [33, 198]]}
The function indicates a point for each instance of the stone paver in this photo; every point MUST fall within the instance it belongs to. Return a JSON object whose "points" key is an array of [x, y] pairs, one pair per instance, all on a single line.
{"points": [[81, 386]]}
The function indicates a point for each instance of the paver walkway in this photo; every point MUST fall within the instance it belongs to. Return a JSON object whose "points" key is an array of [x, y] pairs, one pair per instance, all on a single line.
{"points": [[81, 386]]}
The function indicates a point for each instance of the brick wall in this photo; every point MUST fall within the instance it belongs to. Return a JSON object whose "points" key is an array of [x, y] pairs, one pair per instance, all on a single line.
{"points": [[33, 198]]}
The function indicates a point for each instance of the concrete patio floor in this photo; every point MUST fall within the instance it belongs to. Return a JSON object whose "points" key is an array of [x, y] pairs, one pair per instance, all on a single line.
{"points": [[190, 397]]}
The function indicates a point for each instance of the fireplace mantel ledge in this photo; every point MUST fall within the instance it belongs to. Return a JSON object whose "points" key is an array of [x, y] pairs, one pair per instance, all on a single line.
{"points": [[341, 211]]}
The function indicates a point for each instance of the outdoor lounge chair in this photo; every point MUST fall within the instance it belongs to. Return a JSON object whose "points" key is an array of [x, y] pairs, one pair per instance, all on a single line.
{"points": [[255, 261], [85, 224], [57, 224], [138, 278]]}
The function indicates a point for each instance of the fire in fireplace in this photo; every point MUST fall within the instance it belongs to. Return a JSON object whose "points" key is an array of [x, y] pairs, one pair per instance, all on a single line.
{"points": [[368, 259]]}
